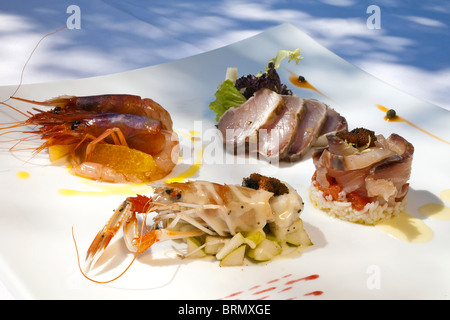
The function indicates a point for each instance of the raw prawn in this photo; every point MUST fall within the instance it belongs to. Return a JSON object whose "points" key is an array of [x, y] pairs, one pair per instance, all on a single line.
{"points": [[123, 120], [108, 103], [202, 209]]}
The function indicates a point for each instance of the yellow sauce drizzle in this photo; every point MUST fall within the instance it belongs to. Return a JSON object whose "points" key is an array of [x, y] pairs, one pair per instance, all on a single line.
{"points": [[437, 211], [407, 228], [191, 171], [445, 195], [22, 175], [400, 119], [107, 189]]}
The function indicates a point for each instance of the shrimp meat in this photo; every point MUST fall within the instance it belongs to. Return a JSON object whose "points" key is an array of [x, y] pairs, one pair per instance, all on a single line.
{"points": [[198, 209]]}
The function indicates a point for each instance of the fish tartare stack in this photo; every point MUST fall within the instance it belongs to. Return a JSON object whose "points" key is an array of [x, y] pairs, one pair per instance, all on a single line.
{"points": [[362, 177]]}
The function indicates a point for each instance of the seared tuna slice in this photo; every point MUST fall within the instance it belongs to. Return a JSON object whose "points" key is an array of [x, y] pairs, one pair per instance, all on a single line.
{"points": [[308, 129], [241, 124], [276, 138]]}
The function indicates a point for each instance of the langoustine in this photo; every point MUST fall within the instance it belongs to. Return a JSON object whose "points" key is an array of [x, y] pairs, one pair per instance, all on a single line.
{"points": [[96, 129], [362, 177], [227, 221]]}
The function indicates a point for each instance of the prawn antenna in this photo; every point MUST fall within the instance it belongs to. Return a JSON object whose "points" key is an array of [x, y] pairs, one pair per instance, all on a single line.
{"points": [[10, 106], [107, 281], [28, 60]]}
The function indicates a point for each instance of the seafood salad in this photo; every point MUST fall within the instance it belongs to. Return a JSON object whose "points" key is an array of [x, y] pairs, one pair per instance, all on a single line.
{"points": [[112, 138], [256, 221], [259, 109], [362, 177]]}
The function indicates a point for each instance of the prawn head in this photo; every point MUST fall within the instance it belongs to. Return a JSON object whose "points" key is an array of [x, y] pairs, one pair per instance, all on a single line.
{"points": [[137, 239]]}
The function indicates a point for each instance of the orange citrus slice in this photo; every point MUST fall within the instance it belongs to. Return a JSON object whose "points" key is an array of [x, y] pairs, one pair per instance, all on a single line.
{"points": [[60, 151], [122, 159]]}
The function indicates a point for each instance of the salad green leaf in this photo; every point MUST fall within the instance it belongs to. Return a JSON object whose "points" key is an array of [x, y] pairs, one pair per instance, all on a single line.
{"points": [[227, 96], [282, 54], [235, 91]]}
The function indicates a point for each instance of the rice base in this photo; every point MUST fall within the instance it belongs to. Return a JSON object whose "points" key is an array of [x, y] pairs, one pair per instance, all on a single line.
{"points": [[372, 213]]}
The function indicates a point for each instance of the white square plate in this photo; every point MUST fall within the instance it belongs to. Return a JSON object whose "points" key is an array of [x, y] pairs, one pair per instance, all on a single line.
{"points": [[347, 261]]}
